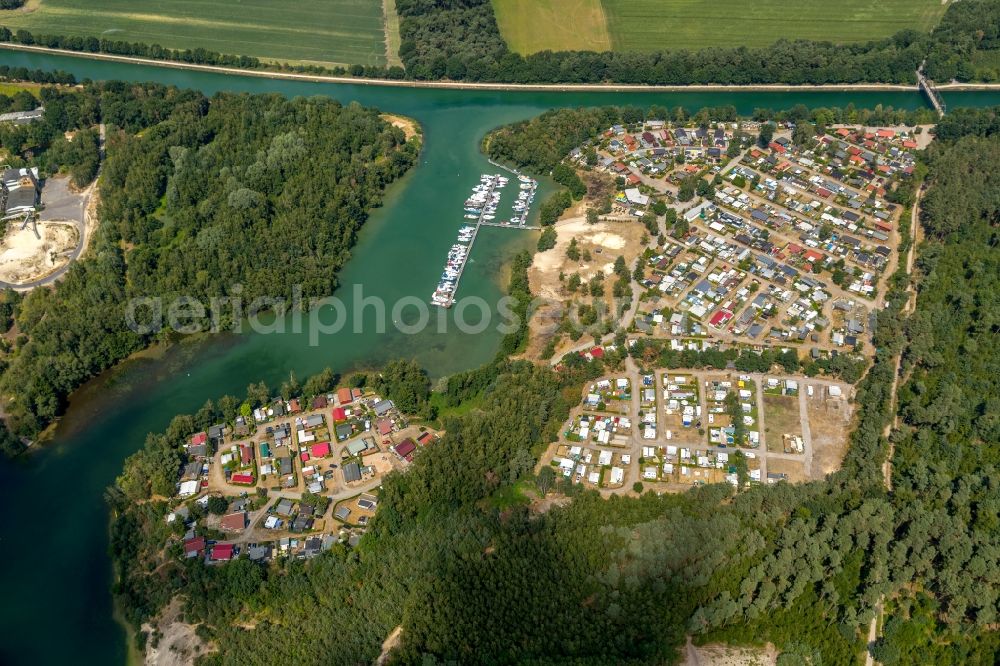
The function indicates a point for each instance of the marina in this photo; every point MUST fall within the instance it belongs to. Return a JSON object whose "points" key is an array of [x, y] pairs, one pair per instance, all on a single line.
{"points": [[480, 209]]}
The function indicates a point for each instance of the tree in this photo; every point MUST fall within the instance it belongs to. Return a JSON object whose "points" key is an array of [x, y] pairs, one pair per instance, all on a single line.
{"points": [[545, 479], [547, 239], [573, 250], [637, 487], [765, 135], [217, 505], [258, 394], [320, 383]]}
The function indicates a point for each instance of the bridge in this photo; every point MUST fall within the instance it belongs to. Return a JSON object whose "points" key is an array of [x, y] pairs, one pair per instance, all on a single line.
{"points": [[927, 88]]}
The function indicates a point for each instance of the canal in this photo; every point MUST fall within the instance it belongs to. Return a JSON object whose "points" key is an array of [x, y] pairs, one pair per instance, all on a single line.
{"points": [[56, 574]]}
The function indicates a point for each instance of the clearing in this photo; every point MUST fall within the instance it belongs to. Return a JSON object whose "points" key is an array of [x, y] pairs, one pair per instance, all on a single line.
{"points": [[25, 257], [604, 241], [310, 31], [781, 417], [829, 424], [651, 25], [178, 644], [557, 25]]}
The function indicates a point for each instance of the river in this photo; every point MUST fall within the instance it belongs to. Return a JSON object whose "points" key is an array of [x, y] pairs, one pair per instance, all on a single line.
{"points": [[56, 574]]}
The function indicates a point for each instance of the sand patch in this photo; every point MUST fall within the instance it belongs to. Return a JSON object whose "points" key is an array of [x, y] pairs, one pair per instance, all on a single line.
{"points": [[178, 644], [604, 241], [408, 125], [725, 655], [25, 257]]}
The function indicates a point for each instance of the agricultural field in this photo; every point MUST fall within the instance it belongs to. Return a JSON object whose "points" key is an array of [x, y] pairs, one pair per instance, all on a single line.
{"points": [[555, 25], [650, 25], [308, 31]]}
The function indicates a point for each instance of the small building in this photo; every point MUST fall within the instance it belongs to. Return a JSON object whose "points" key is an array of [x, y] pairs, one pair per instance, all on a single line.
{"points": [[405, 448], [352, 472], [242, 478], [234, 522], [188, 488], [223, 552], [22, 117], [383, 407], [194, 547], [342, 513]]}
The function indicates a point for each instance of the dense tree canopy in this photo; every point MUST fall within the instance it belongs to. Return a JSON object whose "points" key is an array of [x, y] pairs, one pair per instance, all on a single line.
{"points": [[201, 198]]}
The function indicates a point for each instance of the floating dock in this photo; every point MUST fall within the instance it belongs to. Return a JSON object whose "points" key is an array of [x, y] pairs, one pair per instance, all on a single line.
{"points": [[485, 201]]}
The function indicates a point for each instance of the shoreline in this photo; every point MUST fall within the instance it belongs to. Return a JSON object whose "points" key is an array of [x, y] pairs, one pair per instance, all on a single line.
{"points": [[502, 87]]}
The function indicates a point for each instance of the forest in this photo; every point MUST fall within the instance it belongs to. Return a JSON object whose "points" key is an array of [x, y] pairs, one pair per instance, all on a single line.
{"points": [[201, 198], [471, 574]]}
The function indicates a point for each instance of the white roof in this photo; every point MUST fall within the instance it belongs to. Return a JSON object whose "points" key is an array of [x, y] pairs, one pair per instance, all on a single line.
{"points": [[188, 488], [636, 197]]}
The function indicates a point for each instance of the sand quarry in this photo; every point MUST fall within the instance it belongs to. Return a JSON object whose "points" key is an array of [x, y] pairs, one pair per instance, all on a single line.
{"points": [[25, 257]]}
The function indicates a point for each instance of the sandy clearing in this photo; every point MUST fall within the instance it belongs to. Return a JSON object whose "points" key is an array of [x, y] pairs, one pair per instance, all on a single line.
{"points": [[24, 257], [725, 655], [179, 645], [408, 125], [604, 240]]}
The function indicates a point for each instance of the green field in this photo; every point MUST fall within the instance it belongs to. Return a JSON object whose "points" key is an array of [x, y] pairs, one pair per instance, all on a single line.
{"points": [[306, 31], [536, 25], [650, 25]]}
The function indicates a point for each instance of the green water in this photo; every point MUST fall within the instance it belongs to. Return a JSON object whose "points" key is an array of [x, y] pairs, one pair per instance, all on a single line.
{"points": [[56, 575]]}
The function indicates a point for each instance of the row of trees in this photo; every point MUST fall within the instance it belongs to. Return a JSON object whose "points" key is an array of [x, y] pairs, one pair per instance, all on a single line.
{"points": [[460, 40]]}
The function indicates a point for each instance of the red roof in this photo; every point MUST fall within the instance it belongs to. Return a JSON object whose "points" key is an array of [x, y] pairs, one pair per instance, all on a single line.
{"points": [[384, 426], [195, 545], [886, 133], [843, 131], [304, 456], [339, 414], [293, 406], [222, 551], [242, 478], [406, 447], [246, 454], [320, 450], [721, 317], [424, 438], [234, 522], [344, 396], [199, 438], [634, 179], [813, 256], [597, 352], [776, 147]]}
